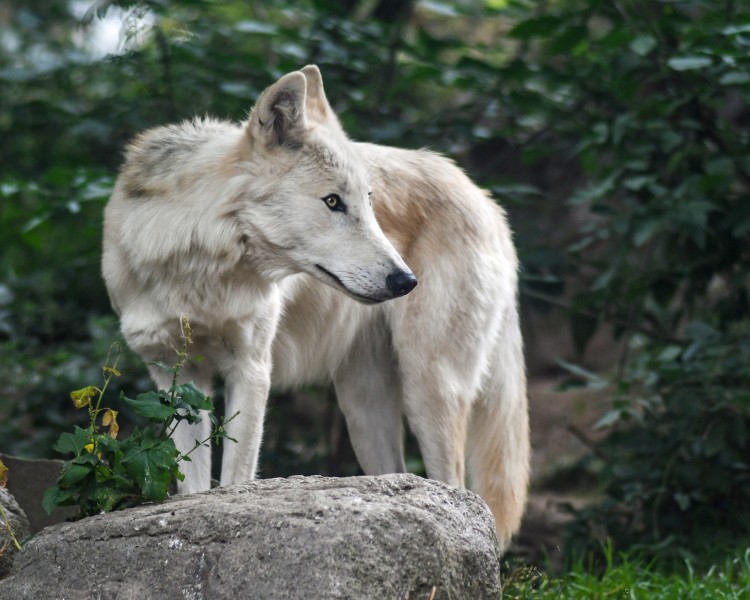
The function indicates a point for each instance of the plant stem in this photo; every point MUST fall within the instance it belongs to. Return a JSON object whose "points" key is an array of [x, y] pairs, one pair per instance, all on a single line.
{"points": [[9, 528], [93, 413], [208, 439]]}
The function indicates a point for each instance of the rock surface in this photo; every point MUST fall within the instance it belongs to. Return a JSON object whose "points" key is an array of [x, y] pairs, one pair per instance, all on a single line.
{"points": [[13, 516], [394, 536], [27, 481]]}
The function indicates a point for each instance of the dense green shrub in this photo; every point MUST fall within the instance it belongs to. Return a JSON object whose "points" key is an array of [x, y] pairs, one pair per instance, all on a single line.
{"points": [[654, 102]]}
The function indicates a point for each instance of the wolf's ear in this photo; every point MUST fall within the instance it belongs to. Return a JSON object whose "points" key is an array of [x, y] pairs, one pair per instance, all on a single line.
{"points": [[278, 118], [316, 104]]}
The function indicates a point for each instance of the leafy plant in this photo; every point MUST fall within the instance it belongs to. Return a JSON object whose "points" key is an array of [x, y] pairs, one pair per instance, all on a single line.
{"points": [[676, 468], [652, 100], [109, 473]]}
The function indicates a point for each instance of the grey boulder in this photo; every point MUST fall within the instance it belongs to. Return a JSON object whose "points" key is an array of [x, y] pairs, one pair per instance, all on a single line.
{"points": [[393, 536]]}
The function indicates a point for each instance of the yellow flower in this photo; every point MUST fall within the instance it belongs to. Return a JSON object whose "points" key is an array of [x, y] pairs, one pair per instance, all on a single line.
{"points": [[109, 419], [89, 447], [83, 396]]}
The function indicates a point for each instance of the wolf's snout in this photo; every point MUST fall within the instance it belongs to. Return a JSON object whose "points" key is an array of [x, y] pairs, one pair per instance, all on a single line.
{"points": [[400, 283]]}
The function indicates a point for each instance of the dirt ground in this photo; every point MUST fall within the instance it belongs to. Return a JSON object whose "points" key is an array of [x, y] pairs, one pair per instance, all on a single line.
{"points": [[562, 426]]}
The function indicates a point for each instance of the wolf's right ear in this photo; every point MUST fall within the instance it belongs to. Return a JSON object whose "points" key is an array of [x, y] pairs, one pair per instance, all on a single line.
{"points": [[318, 108], [278, 118]]}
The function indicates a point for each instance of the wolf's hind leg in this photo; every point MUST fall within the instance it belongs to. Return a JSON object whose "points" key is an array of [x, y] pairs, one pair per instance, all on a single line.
{"points": [[440, 341], [438, 419], [368, 388]]}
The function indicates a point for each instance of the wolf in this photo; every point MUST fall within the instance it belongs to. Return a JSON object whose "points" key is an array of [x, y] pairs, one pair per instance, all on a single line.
{"points": [[287, 245]]}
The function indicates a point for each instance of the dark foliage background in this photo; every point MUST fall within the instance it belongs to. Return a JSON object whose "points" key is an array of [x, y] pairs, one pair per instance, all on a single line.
{"points": [[616, 133]]}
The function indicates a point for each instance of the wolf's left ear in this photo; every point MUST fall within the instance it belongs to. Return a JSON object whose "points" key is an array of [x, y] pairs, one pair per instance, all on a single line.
{"points": [[316, 103], [278, 118]]}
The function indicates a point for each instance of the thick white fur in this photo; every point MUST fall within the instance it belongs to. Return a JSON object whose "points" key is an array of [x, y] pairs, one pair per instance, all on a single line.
{"points": [[225, 224]]}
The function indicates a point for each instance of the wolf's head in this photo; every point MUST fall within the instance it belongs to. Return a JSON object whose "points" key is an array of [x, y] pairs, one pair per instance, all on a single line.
{"points": [[308, 209]]}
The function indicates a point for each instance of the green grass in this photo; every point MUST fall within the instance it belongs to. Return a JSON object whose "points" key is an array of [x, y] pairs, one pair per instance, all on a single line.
{"points": [[729, 579]]}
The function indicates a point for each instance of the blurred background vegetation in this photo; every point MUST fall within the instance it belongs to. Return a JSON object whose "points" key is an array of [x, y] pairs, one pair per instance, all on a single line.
{"points": [[614, 132]]}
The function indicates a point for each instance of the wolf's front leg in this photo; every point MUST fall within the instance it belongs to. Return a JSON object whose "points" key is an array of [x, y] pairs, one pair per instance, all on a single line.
{"points": [[246, 367], [197, 470], [246, 395]]}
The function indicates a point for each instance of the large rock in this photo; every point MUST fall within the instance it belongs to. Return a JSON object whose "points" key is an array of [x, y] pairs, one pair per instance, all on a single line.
{"points": [[13, 517], [395, 536]]}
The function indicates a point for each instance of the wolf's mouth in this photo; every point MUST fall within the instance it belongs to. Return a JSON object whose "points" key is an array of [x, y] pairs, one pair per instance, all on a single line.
{"points": [[339, 283]]}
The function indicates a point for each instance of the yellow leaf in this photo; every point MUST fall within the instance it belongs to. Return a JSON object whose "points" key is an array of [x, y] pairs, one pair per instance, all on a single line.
{"points": [[112, 370], [3, 474], [110, 419], [109, 416], [83, 396]]}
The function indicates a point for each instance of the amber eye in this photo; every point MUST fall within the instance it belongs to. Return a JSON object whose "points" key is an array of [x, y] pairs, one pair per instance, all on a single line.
{"points": [[334, 202]]}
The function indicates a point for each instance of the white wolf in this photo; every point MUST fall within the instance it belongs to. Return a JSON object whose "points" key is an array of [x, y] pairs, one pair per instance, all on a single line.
{"points": [[280, 239]]}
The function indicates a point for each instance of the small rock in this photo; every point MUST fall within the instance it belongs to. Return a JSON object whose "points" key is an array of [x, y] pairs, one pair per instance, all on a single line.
{"points": [[14, 517]]}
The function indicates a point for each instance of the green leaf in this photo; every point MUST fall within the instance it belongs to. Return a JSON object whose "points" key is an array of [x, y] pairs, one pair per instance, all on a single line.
{"points": [[689, 63], [645, 230], [191, 396], [643, 45], [582, 328], [73, 473], [152, 462], [151, 405], [107, 444], [610, 418], [735, 29], [49, 500], [592, 379], [54, 497], [539, 26], [571, 41], [256, 27], [163, 366], [670, 353], [734, 78], [637, 182], [108, 497], [593, 192], [73, 442], [682, 500]]}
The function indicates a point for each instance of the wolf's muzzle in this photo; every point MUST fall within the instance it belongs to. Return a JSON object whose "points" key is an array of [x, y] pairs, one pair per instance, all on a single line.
{"points": [[400, 283]]}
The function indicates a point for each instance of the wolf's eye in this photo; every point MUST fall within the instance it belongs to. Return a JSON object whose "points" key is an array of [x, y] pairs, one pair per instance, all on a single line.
{"points": [[334, 202]]}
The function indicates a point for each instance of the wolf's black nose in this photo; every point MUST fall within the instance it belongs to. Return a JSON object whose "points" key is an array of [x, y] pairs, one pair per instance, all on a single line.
{"points": [[400, 283]]}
